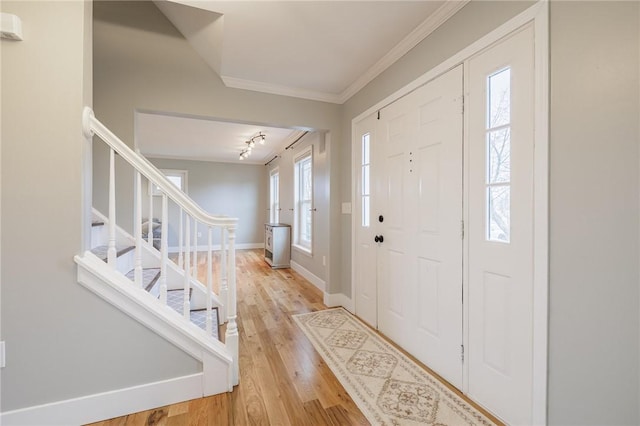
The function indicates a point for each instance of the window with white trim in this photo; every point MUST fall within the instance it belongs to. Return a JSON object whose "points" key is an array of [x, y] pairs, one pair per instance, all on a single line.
{"points": [[498, 156], [177, 177], [303, 198], [365, 178], [274, 196]]}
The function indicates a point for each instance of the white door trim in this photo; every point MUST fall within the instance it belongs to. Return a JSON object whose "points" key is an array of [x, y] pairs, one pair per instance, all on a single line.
{"points": [[539, 15], [541, 216]]}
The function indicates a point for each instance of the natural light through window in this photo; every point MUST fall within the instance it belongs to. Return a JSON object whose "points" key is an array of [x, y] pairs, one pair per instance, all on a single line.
{"points": [[176, 177], [366, 185], [303, 220], [498, 156], [274, 195]]}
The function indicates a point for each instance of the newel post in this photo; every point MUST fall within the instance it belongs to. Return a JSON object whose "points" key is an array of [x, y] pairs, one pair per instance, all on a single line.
{"points": [[231, 337]]}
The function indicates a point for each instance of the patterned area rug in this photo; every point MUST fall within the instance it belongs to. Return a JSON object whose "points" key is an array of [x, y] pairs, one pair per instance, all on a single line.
{"points": [[387, 386]]}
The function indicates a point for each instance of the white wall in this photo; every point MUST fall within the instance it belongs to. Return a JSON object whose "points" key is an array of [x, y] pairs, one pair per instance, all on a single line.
{"points": [[61, 340], [235, 190]]}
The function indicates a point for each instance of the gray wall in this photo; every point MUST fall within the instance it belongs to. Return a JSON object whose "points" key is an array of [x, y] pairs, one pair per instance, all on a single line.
{"points": [[594, 137], [61, 340], [236, 190], [593, 348], [142, 62], [285, 164]]}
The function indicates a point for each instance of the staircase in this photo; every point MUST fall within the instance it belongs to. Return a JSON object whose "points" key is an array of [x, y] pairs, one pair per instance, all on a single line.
{"points": [[151, 276], [166, 294]]}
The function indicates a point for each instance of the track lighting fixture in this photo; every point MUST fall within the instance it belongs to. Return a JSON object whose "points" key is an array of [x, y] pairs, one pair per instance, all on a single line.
{"points": [[251, 143]]}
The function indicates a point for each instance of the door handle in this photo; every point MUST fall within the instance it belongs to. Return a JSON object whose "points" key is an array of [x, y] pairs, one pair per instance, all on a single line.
{"points": [[378, 239]]}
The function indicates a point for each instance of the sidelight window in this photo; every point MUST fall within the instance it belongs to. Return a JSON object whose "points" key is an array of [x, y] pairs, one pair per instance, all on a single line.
{"points": [[498, 156], [366, 181]]}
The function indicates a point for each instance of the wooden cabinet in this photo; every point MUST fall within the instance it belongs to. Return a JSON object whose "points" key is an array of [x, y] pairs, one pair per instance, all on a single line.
{"points": [[277, 245]]}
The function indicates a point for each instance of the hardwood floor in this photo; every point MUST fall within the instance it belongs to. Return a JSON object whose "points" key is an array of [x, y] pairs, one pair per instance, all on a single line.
{"points": [[283, 381]]}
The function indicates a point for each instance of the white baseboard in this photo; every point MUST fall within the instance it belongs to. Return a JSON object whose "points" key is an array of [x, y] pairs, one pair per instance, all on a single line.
{"points": [[338, 299], [308, 275], [107, 405], [216, 247]]}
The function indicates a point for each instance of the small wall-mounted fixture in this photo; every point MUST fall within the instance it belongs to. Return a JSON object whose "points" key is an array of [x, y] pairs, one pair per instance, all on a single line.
{"points": [[10, 26], [260, 137]]}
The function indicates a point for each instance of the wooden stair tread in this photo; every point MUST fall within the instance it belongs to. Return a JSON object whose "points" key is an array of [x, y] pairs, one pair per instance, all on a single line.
{"points": [[101, 251], [149, 277]]}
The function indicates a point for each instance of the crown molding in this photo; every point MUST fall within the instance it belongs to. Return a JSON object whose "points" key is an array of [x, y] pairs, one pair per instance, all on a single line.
{"points": [[276, 89], [256, 162], [422, 31]]}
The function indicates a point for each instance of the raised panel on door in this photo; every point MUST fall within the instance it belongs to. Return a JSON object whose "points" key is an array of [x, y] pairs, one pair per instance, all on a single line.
{"points": [[365, 256], [500, 229], [395, 132], [437, 248], [420, 284]]}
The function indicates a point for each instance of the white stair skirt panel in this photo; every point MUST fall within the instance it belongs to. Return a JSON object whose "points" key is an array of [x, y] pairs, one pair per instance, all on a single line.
{"points": [[107, 405], [217, 361]]}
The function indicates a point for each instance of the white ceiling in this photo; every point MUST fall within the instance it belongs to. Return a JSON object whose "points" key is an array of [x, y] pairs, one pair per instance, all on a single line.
{"points": [[320, 50], [196, 138]]}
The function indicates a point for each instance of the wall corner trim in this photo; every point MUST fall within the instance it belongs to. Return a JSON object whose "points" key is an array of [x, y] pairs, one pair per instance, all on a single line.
{"points": [[308, 275], [338, 299]]}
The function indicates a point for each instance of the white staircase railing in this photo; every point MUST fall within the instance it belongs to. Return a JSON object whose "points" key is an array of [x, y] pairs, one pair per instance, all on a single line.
{"points": [[190, 217]]}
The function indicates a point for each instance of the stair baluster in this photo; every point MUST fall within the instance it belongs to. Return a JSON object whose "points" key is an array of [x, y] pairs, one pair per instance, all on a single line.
{"points": [[209, 281], [195, 249], [164, 249], [137, 231], [223, 274], [180, 240], [150, 220], [111, 249], [187, 272]]}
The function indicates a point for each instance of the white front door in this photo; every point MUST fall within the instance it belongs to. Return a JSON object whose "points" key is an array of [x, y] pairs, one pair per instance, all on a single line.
{"points": [[420, 255], [424, 180], [500, 228], [396, 282], [436, 215]]}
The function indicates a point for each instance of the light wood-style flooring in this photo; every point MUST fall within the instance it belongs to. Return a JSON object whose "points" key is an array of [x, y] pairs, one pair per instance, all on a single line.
{"points": [[283, 380]]}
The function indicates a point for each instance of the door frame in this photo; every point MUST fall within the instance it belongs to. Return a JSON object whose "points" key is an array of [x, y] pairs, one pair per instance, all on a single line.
{"points": [[538, 15]]}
